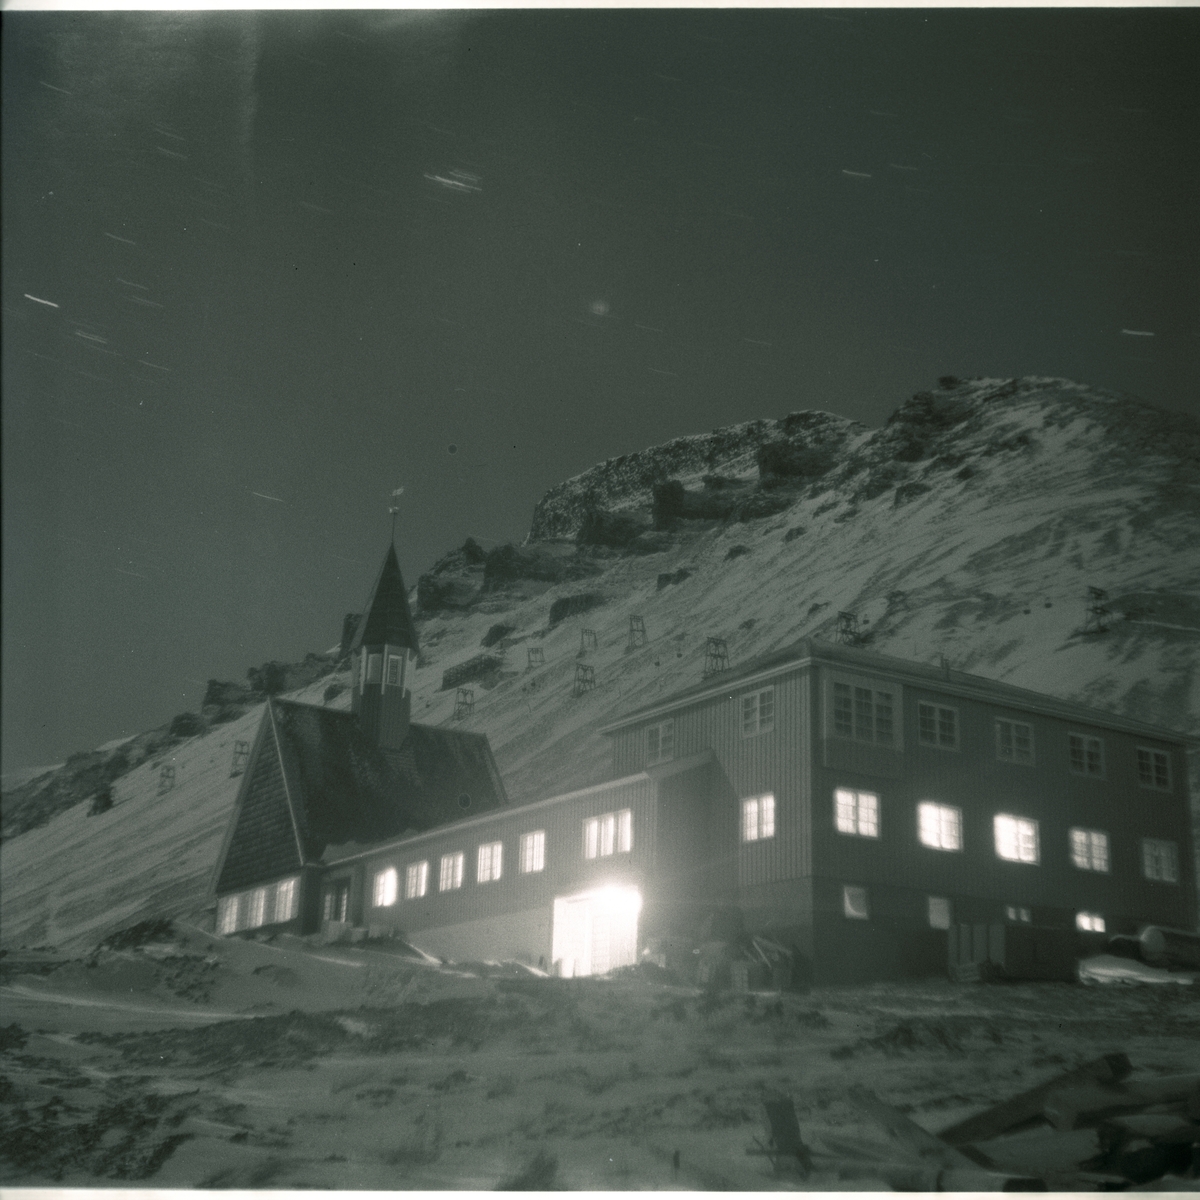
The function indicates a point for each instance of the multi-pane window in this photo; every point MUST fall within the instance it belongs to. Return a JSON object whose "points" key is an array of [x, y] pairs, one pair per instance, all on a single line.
{"points": [[393, 669], [855, 904], [939, 912], [488, 863], [1014, 742], [1016, 913], [937, 726], [660, 742], [286, 899], [1089, 849], [939, 825], [227, 914], [258, 908], [1160, 860], [450, 872], [856, 812], [611, 833], [374, 667], [864, 714], [1154, 768], [533, 852], [1090, 922], [758, 818], [758, 712], [416, 880], [384, 891], [1016, 838], [1087, 755]]}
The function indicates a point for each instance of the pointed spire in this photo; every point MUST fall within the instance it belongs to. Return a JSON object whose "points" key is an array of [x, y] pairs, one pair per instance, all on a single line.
{"points": [[387, 617]]}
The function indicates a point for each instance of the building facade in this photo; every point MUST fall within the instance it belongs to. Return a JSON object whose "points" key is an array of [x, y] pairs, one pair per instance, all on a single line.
{"points": [[849, 805]]}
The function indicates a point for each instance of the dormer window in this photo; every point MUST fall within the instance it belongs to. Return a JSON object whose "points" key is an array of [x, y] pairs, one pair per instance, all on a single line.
{"points": [[374, 667]]}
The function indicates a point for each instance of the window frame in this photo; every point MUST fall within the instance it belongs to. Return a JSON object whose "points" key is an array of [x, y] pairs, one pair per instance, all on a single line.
{"points": [[940, 809], [1012, 759], [659, 755], [1087, 739], [416, 873], [1090, 922], [1018, 821], [532, 852], [936, 901], [374, 671], [614, 829], [379, 888], [757, 724], [762, 828], [850, 893], [857, 831], [1155, 754], [857, 684], [938, 710], [1018, 914], [1160, 851], [451, 880], [392, 660], [493, 854], [1088, 854]]}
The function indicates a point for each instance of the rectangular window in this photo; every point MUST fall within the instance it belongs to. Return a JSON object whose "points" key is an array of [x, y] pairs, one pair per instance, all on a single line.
{"points": [[1021, 915], [1089, 849], [939, 826], [758, 712], [939, 912], [393, 669], [416, 880], [1016, 839], [450, 872], [856, 813], [227, 914], [384, 892], [1014, 742], [611, 833], [374, 667], [758, 818], [937, 726], [1154, 768], [533, 852], [258, 908], [1160, 860], [286, 899], [854, 903], [660, 742], [864, 714], [489, 863], [1090, 922], [1087, 755]]}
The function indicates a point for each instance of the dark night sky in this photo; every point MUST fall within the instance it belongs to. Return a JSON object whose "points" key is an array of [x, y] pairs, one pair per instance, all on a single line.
{"points": [[305, 254]]}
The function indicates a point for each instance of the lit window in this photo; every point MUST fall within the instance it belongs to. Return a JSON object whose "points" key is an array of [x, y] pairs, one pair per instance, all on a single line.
{"points": [[611, 833], [488, 866], [258, 908], [533, 852], [385, 889], [864, 714], [1016, 839], [1087, 755], [227, 914], [758, 712], [1089, 849], [1154, 768], [1023, 915], [1014, 742], [937, 726], [416, 880], [450, 872], [393, 669], [758, 818], [856, 812], [854, 903], [1160, 860], [939, 825], [660, 742], [285, 899], [1090, 922], [374, 667], [939, 912]]}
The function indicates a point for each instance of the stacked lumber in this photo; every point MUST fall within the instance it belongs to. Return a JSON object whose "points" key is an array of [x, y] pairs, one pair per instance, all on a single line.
{"points": [[1093, 1128]]}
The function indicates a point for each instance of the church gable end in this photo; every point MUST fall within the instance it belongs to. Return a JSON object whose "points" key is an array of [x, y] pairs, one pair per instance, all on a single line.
{"points": [[263, 845]]}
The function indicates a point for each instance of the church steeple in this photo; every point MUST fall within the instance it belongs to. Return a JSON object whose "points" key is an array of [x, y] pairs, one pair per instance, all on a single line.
{"points": [[379, 653]]}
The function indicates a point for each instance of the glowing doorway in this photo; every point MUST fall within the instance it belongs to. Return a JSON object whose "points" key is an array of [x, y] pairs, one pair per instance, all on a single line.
{"points": [[596, 932]]}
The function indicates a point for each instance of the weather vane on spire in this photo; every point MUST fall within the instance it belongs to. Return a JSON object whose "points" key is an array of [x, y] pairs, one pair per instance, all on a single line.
{"points": [[394, 509]]}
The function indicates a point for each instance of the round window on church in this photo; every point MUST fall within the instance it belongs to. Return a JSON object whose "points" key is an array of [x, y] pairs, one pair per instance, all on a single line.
{"points": [[464, 800]]}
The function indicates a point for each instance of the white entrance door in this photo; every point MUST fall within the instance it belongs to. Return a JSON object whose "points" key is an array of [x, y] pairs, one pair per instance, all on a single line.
{"points": [[595, 932]]}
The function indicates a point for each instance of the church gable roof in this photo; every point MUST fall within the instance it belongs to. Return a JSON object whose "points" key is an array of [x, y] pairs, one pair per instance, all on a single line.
{"points": [[387, 617], [453, 770]]}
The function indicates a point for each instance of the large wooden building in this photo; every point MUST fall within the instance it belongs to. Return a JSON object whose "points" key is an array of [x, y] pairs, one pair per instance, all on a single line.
{"points": [[847, 804]]}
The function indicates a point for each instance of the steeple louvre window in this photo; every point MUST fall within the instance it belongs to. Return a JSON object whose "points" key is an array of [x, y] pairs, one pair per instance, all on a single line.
{"points": [[393, 670], [374, 667]]}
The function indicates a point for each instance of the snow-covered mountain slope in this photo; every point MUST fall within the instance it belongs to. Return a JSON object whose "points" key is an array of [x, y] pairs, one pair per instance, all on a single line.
{"points": [[970, 526]]}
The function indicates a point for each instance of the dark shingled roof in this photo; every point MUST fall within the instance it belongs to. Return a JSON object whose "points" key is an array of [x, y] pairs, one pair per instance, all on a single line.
{"points": [[387, 617]]}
